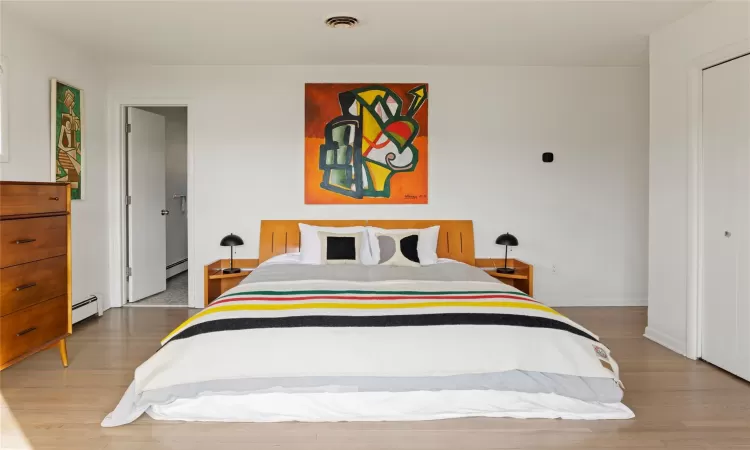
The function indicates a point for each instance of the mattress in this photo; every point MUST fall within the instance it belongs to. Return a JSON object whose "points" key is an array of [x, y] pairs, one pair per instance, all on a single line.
{"points": [[353, 342]]}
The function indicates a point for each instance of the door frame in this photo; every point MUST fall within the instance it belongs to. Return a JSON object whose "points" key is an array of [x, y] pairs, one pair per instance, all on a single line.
{"points": [[117, 209], [695, 244]]}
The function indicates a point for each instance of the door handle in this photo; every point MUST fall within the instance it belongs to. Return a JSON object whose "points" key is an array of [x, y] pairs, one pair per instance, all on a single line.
{"points": [[25, 241], [164, 212]]}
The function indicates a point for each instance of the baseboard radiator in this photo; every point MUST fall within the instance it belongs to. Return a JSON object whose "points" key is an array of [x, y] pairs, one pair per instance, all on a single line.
{"points": [[175, 264], [176, 268], [86, 309]]}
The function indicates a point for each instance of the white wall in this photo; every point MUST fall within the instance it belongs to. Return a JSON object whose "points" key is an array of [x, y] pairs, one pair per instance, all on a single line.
{"points": [[674, 51], [175, 183], [3, 98], [34, 58], [586, 213]]}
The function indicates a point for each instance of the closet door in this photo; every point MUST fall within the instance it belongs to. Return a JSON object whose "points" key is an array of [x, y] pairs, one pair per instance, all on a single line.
{"points": [[726, 216]]}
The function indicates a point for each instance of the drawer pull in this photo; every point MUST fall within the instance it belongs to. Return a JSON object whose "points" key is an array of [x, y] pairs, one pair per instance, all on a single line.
{"points": [[25, 286], [54, 198], [25, 241], [26, 331]]}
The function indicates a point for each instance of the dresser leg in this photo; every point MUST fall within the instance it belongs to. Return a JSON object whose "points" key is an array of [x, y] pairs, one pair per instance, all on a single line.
{"points": [[63, 352]]}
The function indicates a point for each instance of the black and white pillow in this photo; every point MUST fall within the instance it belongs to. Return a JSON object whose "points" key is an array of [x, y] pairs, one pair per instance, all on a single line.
{"points": [[398, 249], [336, 248], [427, 246]]}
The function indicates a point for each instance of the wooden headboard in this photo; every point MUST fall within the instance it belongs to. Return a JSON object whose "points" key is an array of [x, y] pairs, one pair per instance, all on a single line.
{"points": [[456, 240]]}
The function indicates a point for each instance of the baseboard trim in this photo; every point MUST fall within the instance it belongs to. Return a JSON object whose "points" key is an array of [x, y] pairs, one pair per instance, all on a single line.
{"points": [[136, 305], [665, 340], [594, 302]]}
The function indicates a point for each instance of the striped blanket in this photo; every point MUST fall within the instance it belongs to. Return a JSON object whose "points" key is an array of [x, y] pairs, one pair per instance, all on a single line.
{"points": [[243, 309], [350, 329]]}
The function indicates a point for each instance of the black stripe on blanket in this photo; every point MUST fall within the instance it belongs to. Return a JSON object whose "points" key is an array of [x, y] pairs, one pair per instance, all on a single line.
{"points": [[406, 320]]}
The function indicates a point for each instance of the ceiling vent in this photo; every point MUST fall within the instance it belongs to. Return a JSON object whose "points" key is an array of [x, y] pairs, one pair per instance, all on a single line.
{"points": [[342, 22]]}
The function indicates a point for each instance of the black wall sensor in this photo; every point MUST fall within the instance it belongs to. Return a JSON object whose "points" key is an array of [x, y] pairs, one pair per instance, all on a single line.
{"points": [[548, 157]]}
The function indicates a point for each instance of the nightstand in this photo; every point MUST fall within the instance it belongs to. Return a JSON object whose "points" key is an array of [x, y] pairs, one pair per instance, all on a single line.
{"points": [[216, 282], [522, 279]]}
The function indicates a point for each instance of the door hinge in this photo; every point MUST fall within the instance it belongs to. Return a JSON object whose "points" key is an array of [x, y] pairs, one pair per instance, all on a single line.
{"points": [[128, 200], [129, 272], [129, 128]]}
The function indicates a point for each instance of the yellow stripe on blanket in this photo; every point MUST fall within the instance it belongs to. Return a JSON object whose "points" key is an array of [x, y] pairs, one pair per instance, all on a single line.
{"points": [[322, 305]]}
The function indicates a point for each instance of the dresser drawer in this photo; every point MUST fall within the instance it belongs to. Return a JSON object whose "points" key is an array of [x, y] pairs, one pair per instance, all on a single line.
{"points": [[31, 283], [26, 240], [30, 328], [32, 199]]}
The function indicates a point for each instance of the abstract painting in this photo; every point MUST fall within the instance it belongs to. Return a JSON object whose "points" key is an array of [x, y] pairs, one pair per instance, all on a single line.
{"points": [[67, 136], [366, 143]]}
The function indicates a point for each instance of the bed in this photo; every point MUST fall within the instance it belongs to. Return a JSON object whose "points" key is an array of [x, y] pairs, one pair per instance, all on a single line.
{"points": [[301, 342]]}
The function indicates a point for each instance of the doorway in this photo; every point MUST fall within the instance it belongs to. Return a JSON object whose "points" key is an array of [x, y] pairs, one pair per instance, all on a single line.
{"points": [[157, 213]]}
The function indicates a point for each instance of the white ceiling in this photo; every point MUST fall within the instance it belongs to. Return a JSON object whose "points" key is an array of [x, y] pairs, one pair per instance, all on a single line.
{"points": [[593, 33]]}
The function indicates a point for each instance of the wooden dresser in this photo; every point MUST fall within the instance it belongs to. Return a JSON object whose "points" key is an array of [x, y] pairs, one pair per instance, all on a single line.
{"points": [[35, 269]]}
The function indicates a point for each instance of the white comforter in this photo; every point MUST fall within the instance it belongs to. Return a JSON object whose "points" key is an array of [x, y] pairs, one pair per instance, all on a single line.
{"points": [[332, 337]]}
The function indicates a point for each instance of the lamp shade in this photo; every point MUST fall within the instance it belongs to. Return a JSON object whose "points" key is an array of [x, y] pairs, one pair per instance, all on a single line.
{"points": [[507, 239], [231, 240]]}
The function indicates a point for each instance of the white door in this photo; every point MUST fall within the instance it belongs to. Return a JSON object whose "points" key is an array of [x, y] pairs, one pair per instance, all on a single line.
{"points": [[147, 241], [726, 216]]}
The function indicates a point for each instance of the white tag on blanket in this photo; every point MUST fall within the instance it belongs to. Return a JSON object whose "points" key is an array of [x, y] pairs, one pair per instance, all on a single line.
{"points": [[601, 352], [608, 363]]}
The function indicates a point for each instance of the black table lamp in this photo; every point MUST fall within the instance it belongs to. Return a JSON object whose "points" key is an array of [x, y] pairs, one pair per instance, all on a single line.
{"points": [[230, 241], [508, 240]]}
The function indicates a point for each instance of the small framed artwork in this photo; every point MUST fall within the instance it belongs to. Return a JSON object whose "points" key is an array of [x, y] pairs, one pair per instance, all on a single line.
{"points": [[67, 127]]}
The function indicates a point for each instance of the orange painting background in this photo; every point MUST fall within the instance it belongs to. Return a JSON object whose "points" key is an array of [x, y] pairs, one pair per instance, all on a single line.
{"points": [[321, 106]]}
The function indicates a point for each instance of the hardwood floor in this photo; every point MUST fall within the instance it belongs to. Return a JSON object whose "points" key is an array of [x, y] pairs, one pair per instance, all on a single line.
{"points": [[679, 404]]}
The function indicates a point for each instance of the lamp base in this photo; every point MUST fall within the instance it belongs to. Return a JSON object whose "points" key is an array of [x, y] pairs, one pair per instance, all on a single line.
{"points": [[506, 270], [232, 270]]}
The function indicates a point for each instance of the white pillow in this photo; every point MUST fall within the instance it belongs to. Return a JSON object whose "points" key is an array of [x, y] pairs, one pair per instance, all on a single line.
{"points": [[284, 258], [309, 246], [426, 247]]}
